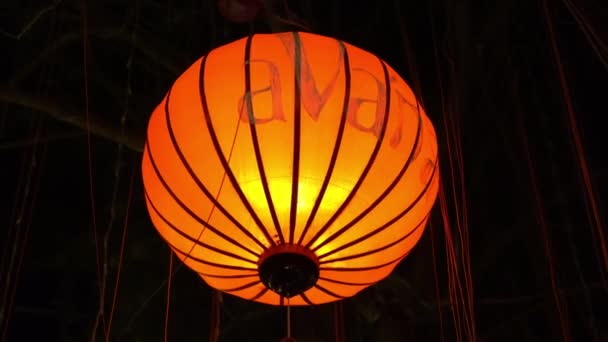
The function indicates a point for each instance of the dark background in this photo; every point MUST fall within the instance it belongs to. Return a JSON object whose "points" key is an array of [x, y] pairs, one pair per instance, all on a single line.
{"points": [[489, 80]]}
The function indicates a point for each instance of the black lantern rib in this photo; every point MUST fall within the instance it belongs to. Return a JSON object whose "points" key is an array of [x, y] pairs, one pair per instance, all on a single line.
{"points": [[328, 292], [370, 162], [254, 139], [306, 299], [222, 157], [206, 262], [337, 144], [259, 294], [297, 128], [188, 210], [234, 276], [368, 268], [242, 287], [346, 282], [385, 193], [199, 183], [390, 222], [191, 239], [378, 249]]}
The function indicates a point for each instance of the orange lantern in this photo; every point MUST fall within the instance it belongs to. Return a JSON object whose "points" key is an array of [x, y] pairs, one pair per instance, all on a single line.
{"points": [[290, 166]]}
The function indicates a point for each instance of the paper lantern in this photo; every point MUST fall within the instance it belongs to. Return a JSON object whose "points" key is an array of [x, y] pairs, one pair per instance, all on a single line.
{"points": [[290, 165]]}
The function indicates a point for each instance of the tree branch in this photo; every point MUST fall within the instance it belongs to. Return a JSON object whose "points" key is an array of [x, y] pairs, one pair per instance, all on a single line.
{"points": [[153, 52], [28, 25], [43, 139], [132, 139]]}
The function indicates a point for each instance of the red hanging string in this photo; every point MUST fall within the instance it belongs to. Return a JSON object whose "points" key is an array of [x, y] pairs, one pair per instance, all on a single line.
{"points": [[214, 324], [168, 294], [339, 332], [288, 338]]}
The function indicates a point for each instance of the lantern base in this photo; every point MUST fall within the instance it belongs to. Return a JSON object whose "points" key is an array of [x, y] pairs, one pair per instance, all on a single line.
{"points": [[288, 270]]}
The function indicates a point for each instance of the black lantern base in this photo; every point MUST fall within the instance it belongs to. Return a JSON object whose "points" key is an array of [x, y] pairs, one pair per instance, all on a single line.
{"points": [[288, 270]]}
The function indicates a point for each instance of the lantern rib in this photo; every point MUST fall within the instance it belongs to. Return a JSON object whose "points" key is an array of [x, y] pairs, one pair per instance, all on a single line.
{"points": [[223, 161], [368, 268], [189, 238], [390, 222], [337, 144], [223, 276], [328, 292], [379, 249], [341, 282], [189, 211], [205, 262], [259, 294], [197, 180], [385, 193], [297, 131], [370, 162], [242, 287], [306, 299], [255, 141]]}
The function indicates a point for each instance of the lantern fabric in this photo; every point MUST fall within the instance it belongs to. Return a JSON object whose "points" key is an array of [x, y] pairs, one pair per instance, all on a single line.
{"points": [[295, 140]]}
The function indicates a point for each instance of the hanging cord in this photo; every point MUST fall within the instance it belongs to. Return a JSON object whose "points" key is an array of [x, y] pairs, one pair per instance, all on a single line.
{"points": [[168, 302], [288, 319], [288, 338], [187, 256], [214, 324], [339, 322]]}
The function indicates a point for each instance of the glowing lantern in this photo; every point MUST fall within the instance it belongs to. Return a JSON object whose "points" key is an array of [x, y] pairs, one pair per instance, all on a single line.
{"points": [[290, 165]]}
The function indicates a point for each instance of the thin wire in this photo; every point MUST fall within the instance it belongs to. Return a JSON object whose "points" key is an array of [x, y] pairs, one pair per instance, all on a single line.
{"points": [[214, 324], [88, 125], [342, 330], [27, 26], [339, 322], [590, 197], [336, 329], [117, 178], [461, 299], [121, 253], [560, 305], [90, 171], [435, 275], [221, 187], [20, 246], [28, 184], [179, 266], [15, 218], [14, 234], [596, 43], [288, 318], [168, 294]]}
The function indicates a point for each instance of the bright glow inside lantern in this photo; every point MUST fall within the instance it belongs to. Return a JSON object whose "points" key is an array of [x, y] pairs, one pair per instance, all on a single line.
{"points": [[290, 165]]}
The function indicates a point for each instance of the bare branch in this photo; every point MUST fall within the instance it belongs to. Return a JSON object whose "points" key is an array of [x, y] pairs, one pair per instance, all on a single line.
{"points": [[49, 138], [147, 46], [133, 139], [32, 21]]}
